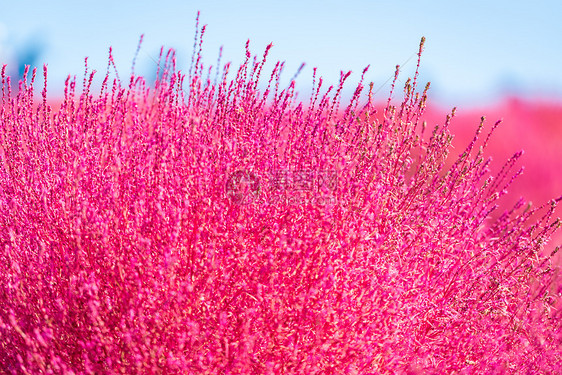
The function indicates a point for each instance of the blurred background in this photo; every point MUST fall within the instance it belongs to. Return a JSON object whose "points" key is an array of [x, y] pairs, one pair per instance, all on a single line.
{"points": [[497, 58], [476, 51]]}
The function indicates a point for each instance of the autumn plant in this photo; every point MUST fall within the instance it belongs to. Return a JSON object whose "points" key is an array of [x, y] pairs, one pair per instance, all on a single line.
{"points": [[222, 227], [534, 125]]}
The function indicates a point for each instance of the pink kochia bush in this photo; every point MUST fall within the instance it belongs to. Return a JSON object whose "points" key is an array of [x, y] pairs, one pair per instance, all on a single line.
{"points": [[200, 227], [532, 124]]}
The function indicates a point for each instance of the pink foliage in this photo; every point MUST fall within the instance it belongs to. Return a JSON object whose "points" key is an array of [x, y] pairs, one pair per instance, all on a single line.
{"points": [[226, 229], [532, 125]]}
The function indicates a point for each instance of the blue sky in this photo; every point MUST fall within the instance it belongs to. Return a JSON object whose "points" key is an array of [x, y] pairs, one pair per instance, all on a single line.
{"points": [[475, 51]]}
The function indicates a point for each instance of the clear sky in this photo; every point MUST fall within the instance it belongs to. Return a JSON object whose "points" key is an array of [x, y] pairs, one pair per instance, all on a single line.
{"points": [[475, 50]]}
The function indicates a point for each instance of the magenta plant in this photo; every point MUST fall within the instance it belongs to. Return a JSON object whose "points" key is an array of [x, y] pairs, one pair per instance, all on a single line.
{"points": [[220, 228]]}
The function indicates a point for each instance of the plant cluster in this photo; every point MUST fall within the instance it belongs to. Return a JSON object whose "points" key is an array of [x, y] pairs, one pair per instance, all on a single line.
{"points": [[155, 230]]}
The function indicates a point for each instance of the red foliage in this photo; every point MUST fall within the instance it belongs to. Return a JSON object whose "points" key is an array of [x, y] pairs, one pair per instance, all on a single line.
{"points": [[534, 126], [223, 230]]}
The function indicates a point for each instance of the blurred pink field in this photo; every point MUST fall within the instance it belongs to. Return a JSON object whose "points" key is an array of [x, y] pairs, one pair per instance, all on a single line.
{"points": [[534, 126]]}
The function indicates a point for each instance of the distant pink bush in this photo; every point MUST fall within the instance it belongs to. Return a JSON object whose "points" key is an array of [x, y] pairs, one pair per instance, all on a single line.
{"points": [[534, 125], [201, 228]]}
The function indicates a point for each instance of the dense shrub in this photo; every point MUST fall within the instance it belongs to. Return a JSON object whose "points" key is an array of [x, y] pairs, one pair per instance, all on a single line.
{"points": [[203, 227]]}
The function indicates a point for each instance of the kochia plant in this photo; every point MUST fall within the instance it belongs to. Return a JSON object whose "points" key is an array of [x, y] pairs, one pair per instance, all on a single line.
{"points": [[195, 227]]}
